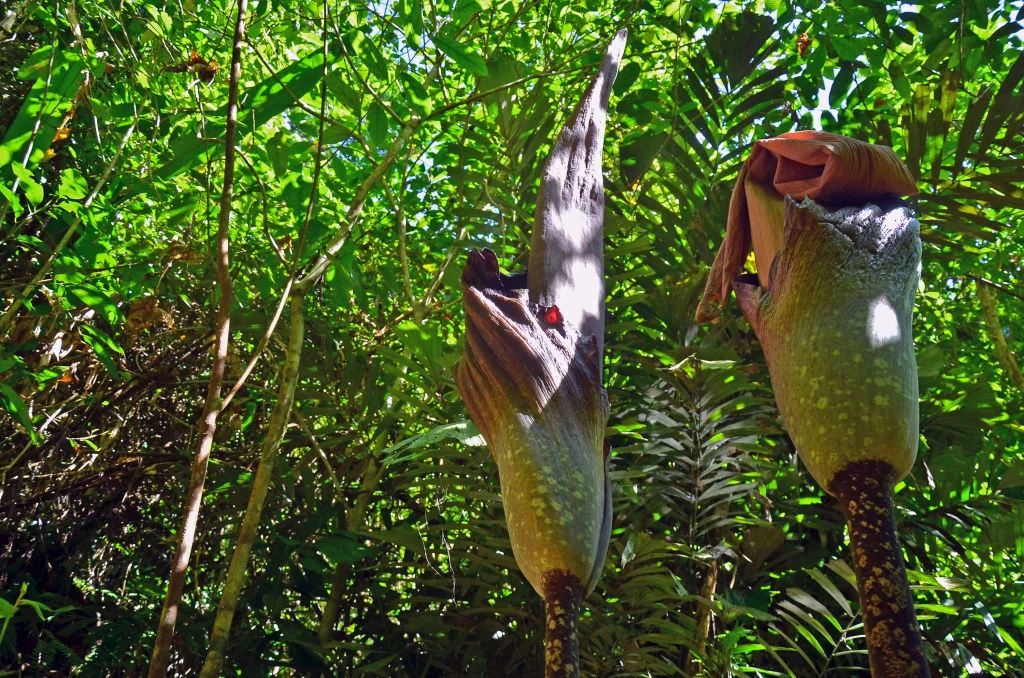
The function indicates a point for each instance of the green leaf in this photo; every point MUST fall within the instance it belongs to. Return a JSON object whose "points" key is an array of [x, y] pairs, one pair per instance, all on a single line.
{"points": [[341, 548], [95, 298], [370, 668], [411, 13], [161, 24], [33, 128], [279, 152], [72, 185], [461, 55], [628, 74], [367, 49], [15, 405], [13, 201], [40, 608], [32, 188], [103, 346], [463, 431], [377, 125], [349, 97], [637, 155], [1012, 477], [846, 49], [840, 87], [402, 535]]}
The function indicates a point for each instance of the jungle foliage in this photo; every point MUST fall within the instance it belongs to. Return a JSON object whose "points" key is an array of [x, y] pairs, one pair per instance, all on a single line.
{"points": [[416, 130]]}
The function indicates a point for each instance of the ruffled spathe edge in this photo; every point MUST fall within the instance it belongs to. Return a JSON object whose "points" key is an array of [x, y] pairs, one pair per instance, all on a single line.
{"points": [[828, 168]]}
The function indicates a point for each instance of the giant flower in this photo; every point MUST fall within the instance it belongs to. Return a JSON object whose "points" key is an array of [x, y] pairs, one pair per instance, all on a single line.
{"points": [[531, 376], [838, 257]]}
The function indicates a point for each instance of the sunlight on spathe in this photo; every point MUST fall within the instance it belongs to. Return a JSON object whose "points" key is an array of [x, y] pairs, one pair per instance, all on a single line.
{"points": [[883, 324]]}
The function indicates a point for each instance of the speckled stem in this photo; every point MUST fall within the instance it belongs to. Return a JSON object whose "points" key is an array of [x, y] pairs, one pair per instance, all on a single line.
{"points": [[563, 594], [895, 649]]}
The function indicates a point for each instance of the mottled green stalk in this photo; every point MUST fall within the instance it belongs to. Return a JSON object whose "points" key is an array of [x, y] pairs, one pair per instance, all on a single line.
{"points": [[895, 648], [562, 596]]}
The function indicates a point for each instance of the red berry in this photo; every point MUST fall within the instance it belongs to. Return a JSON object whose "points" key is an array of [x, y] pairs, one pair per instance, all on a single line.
{"points": [[552, 316]]}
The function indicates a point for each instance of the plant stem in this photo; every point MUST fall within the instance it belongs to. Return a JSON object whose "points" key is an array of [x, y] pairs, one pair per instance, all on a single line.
{"points": [[279, 418], [563, 594], [865, 493]]}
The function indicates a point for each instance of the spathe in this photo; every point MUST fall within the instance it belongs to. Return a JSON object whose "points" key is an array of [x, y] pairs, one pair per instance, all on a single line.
{"points": [[531, 371]]}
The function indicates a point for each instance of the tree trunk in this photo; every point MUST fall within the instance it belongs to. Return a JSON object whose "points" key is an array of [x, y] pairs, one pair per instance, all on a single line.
{"points": [[261, 484], [995, 333], [208, 419]]}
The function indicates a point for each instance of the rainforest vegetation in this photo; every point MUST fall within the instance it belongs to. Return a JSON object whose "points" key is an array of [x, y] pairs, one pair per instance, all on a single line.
{"points": [[229, 319]]}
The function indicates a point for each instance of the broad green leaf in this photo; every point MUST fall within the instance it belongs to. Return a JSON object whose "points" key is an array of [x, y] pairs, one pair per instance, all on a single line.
{"points": [[464, 431], [40, 608], [341, 548], [72, 184], [1012, 477], [96, 298], [460, 54], [365, 46], [377, 125], [637, 155], [13, 201], [403, 535], [58, 75]]}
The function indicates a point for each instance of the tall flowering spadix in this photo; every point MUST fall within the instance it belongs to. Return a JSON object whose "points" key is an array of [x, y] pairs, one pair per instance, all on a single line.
{"points": [[531, 375], [838, 260]]}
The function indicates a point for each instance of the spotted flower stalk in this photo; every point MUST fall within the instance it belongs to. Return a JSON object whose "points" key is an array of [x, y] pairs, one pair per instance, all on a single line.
{"points": [[531, 376], [838, 261]]}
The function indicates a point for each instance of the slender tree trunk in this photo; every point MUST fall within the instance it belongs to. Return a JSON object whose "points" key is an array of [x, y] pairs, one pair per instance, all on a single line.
{"points": [[261, 484], [563, 594], [702, 621], [208, 419], [995, 333], [895, 648]]}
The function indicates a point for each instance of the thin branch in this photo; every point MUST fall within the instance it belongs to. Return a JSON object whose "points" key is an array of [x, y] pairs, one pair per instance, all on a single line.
{"points": [[356, 208], [318, 159], [996, 286]]}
